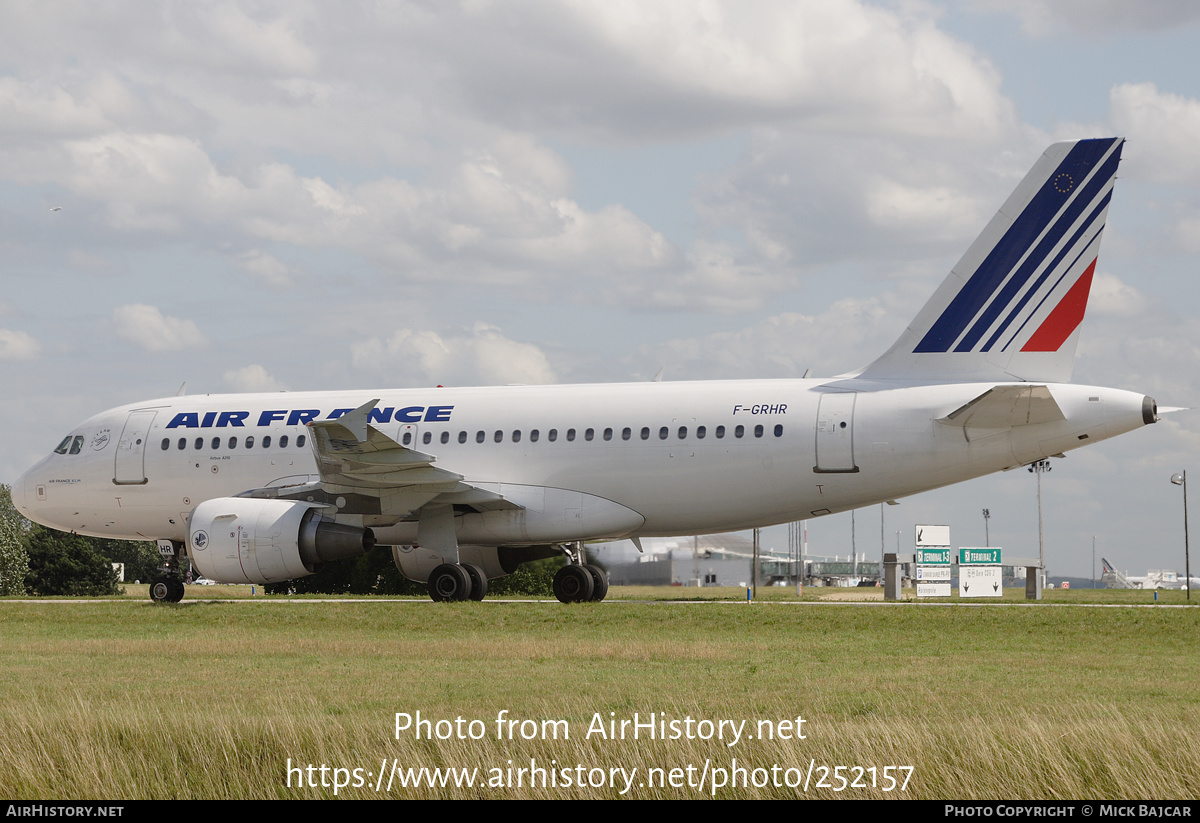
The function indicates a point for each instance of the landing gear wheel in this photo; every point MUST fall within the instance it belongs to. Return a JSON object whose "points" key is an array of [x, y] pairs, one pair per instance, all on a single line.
{"points": [[479, 581], [177, 589], [162, 590], [573, 584], [449, 582], [599, 583]]}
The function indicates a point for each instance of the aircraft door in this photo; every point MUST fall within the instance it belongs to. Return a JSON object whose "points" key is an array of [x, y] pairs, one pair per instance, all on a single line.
{"points": [[407, 436], [130, 468], [835, 433]]}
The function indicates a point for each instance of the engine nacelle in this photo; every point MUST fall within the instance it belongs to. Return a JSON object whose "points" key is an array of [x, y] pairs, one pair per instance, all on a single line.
{"points": [[249, 540]]}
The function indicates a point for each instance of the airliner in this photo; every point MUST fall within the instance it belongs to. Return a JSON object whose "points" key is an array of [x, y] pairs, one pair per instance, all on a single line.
{"points": [[465, 484]]}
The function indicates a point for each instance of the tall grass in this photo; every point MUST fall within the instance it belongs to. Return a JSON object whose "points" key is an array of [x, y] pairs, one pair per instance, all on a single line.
{"points": [[129, 700]]}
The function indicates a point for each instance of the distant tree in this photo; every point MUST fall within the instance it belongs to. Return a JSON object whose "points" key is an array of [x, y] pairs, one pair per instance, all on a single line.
{"points": [[141, 557], [14, 560], [535, 578], [62, 563]]}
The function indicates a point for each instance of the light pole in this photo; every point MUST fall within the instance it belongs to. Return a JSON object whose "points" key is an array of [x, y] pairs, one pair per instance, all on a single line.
{"points": [[1038, 468], [987, 539], [1181, 480]]}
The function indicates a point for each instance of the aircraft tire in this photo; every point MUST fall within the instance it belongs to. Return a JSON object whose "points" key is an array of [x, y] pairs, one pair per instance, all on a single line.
{"points": [[449, 582], [573, 584], [479, 581], [177, 589], [161, 590], [599, 583]]}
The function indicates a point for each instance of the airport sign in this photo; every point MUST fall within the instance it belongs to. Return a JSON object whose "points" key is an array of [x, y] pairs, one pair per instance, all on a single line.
{"points": [[980, 581], [979, 557], [933, 536]]}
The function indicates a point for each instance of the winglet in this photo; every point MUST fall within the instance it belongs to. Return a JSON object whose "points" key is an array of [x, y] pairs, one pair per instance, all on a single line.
{"points": [[356, 422]]}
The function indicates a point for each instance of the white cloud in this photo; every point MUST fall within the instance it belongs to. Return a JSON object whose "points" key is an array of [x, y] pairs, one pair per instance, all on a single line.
{"points": [[252, 378], [18, 345], [1110, 295], [484, 357], [147, 327], [265, 266], [1164, 129]]}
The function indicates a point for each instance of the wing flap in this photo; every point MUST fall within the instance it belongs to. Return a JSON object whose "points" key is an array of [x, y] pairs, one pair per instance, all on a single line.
{"points": [[363, 471]]}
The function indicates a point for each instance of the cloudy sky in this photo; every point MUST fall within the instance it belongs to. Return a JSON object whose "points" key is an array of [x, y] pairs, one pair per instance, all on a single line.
{"points": [[262, 196]]}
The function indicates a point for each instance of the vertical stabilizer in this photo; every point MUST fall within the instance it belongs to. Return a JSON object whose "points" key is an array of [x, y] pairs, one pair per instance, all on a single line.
{"points": [[1011, 307]]}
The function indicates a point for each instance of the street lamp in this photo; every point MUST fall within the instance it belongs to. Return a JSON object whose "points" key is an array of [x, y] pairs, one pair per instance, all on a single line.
{"points": [[1038, 467], [987, 540], [1181, 480]]}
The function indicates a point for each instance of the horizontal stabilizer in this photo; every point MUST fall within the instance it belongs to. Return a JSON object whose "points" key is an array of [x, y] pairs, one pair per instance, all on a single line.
{"points": [[1003, 407]]}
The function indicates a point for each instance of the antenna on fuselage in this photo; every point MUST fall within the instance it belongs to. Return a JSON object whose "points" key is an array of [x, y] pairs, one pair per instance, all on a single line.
{"points": [[182, 390]]}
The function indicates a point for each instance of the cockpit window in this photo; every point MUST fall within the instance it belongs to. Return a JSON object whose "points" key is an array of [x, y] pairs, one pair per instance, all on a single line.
{"points": [[77, 444], [62, 447]]}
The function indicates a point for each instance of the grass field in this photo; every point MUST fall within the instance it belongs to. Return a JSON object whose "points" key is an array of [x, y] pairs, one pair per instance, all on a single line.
{"points": [[212, 699]]}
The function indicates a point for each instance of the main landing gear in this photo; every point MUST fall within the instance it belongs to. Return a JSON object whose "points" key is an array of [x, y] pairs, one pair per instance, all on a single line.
{"points": [[579, 584], [457, 581], [579, 581]]}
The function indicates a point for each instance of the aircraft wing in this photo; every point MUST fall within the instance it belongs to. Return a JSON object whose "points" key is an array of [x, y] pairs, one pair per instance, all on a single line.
{"points": [[365, 472], [1002, 407]]}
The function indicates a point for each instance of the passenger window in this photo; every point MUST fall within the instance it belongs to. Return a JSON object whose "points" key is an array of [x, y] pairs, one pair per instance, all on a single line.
{"points": [[182, 443], [166, 443], [516, 435], [216, 443], [283, 439], [62, 447], [498, 436], [739, 431], [682, 432], [663, 432], [720, 432], [479, 436], [758, 430], [267, 441], [462, 437], [552, 435], [533, 435], [406, 440], [199, 442], [570, 435], [427, 438], [779, 430], [77, 444], [589, 434], [645, 432], [300, 441], [445, 437], [626, 433], [233, 442], [250, 442], [608, 434], [700, 432]]}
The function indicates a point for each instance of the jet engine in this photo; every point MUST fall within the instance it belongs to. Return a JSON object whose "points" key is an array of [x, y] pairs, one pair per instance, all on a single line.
{"points": [[247, 540]]}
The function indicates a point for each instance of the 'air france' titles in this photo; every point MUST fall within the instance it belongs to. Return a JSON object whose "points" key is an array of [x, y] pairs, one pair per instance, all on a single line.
{"points": [[300, 417]]}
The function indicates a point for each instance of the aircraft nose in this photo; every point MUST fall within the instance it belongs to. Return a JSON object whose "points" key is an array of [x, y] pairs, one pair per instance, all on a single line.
{"points": [[18, 495]]}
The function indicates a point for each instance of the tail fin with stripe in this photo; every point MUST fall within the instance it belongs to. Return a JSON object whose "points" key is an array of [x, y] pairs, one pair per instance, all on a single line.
{"points": [[1011, 307]]}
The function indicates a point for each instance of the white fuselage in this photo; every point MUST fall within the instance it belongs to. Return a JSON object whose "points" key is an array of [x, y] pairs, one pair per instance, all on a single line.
{"points": [[770, 451]]}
